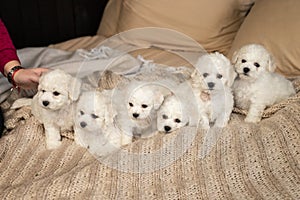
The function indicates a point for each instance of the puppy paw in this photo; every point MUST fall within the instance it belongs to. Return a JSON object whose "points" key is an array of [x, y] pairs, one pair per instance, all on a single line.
{"points": [[252, 119], [204, 126], [255, 113], [53, 144]]}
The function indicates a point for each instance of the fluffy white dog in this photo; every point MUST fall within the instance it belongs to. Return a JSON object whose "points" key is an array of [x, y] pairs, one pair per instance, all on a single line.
{"points": [[257, 86], [52, 105], [144, 100], [94, 124], [170, 115], [218, 76], [142, 107]]}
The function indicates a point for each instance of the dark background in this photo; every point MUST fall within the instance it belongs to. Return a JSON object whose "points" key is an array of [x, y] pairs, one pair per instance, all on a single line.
{"points": [[36, 23]]}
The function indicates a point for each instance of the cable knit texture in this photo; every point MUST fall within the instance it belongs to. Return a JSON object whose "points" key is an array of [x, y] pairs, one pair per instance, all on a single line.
{"points": [[249, 161]]}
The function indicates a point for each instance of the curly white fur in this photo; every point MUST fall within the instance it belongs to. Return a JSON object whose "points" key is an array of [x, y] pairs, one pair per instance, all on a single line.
{"points": [[142, 105], [217, 73], [257, 86], [170, 115], [52, 104], [94, 124]]}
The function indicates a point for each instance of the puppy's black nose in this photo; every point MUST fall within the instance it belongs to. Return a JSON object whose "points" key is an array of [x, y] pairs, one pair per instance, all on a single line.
{"points": [[135, 115], [83, 124], [46, 103], [167, 128], [246, 70], [211, 84]]}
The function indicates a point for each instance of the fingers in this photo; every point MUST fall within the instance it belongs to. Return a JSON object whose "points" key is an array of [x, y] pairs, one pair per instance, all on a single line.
{"points": [[40, 71], [29, 78], [43, 70], [35, 78]]}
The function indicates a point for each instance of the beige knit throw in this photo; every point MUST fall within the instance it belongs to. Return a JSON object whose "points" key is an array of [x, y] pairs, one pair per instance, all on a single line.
{"points": [[249, 161]]}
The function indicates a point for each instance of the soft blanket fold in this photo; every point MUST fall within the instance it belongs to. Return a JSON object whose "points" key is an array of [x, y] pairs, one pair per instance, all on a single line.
{"points": [[79, 63]]}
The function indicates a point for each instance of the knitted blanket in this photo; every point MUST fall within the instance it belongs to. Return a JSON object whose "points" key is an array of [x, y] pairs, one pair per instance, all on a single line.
{"points": [[248, 161]]}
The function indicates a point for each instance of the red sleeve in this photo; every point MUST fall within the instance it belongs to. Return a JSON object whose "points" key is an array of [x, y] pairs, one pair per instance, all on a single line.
{"points": [[7, 49]]}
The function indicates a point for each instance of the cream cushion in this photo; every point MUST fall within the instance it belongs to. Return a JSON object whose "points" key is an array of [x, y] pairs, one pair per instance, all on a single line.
{"points": [[276, 25], [212, 23]]}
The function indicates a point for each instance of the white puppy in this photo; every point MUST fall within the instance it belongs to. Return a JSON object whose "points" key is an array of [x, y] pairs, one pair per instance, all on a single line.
{"points": [[52, 105], [144, 100], [218, 76], [257, 86], [94, 124], [198, 96], [170, 115], [142, 106]]}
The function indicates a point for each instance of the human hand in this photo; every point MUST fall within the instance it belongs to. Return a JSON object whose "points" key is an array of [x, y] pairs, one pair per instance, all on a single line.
{"points": [[28, 78]]}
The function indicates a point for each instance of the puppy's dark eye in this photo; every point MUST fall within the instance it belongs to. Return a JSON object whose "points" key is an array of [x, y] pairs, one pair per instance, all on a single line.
{"points": [[256, 64], [94, 116], [81, 112], [130, 104], [177, 120], [43, 91], [243, 60], [205, 75], [56, 93], [164, 116], [219, 76], [144, 106]]}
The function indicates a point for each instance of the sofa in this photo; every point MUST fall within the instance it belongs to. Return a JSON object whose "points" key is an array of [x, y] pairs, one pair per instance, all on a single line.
{"points": [[249, 161]]}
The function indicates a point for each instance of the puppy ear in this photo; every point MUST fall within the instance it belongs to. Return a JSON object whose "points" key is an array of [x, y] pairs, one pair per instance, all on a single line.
{"points": [[197, 80], [235, 57], [109, 114], [74, 88], [162, 99], [168, 96], [231, 75], [158, 100], [109, 111], [187, 123], [40, 81], [271, 64]]}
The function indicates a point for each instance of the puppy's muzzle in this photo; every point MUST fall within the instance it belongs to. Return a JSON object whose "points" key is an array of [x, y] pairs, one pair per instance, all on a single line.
{"points": [[83, 124], [46, 103], [167, 129], [135, 115], [211, 85], [246, 70]]}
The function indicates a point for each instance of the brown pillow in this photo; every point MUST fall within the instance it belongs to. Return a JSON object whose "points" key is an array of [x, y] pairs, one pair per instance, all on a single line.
{"points": [[276, 25], [212, 23]]}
